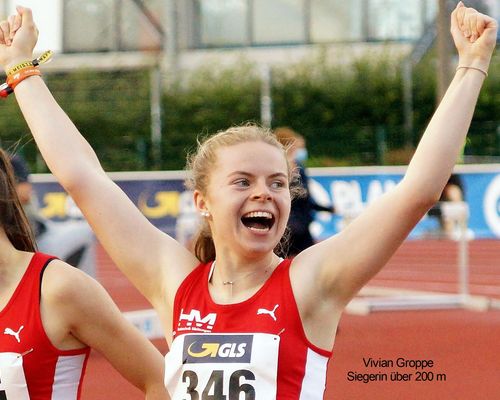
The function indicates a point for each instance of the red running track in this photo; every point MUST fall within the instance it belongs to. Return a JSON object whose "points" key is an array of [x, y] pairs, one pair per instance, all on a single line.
{"points": [[432, 265], [463, 345]]}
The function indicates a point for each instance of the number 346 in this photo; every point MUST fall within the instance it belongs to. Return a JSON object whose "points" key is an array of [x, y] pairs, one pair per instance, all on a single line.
{"points": [[214, 389]]}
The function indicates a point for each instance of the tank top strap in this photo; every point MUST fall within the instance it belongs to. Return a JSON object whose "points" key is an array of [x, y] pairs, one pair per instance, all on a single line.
{"points": [[34, 273]]}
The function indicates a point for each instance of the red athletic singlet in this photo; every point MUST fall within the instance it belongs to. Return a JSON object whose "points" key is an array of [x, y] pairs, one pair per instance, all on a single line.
{"points": [[256, 348], [30, 366]]}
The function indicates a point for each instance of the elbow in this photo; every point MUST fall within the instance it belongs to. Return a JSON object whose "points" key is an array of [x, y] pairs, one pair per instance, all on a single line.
{"points": [[423, 202], [422, 197], [426, 202], [75, 180], [72, 182], [157, 391]]}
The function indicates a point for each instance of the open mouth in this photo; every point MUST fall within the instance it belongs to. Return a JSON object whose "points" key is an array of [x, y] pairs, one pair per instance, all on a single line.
{"points": [[261, 221]]}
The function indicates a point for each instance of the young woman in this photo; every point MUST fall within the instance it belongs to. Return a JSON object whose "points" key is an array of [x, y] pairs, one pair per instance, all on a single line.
{"points": [[238, 319], [51, 314]]}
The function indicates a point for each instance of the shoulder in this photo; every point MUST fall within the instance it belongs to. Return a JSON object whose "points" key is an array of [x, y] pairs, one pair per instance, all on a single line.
{"points": [[200, 273], [63, 283], [75, 299], [192, 285], [199, 270]]}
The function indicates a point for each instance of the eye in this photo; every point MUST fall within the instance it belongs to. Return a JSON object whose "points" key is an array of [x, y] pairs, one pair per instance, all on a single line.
{"points": [[278, 184], [241, 182]]}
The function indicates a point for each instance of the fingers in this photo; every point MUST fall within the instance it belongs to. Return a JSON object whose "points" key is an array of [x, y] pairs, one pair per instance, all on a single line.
{"points": [[10, 20], [457, 18], [5, 33], [489, 22], [9, 28], [26, 16], [15, 24], [480, 26], [26, 21], [469, 22]]}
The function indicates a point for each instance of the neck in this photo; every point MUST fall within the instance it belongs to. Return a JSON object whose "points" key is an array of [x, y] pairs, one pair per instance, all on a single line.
{"points": [[8, 253], [244, 276], [13, 264]]}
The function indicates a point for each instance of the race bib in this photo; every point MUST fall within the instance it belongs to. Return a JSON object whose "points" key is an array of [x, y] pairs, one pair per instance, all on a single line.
{"points": [[236, 366], [12, 380]]}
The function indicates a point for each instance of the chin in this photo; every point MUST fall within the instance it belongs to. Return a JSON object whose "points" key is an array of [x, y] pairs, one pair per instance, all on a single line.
{"points": [[256, 248]]}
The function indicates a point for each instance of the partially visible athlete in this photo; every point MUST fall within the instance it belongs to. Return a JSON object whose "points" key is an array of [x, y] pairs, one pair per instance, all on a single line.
{"points": [[52, 314]]}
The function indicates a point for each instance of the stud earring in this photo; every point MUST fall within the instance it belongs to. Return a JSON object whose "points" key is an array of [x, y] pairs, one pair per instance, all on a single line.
{"points": [[205, 214]]}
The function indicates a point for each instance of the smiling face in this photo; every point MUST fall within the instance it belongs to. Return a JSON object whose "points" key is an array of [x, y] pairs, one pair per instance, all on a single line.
{"points": [[248, 198]]}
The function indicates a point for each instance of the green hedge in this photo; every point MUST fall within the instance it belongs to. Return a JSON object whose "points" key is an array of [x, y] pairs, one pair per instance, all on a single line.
{"points": [[350, 115], [210, 99]]}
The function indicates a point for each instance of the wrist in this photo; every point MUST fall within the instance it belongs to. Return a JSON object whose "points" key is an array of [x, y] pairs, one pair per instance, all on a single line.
{"points": [[16, 78], [15, 61], [20, 68], [475, 63]]}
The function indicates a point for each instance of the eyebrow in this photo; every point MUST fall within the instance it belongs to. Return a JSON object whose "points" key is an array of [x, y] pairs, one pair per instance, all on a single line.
{"points": [[275, 175]]}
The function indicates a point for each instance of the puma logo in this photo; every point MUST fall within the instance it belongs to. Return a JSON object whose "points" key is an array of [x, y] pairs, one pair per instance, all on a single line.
{"points": [[9, 331], [271, 313]]}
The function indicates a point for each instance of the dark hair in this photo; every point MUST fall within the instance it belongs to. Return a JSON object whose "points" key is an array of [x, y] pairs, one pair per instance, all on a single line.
{"points": [[12, 217], [20, 168]]}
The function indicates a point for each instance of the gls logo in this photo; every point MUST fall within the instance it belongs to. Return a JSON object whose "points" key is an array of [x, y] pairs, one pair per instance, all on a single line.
{"points": [[194, 321], [217, 349]]}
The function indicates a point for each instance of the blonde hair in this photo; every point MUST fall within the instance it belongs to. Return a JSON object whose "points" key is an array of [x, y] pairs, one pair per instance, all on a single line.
{"points": [[201, 162]]}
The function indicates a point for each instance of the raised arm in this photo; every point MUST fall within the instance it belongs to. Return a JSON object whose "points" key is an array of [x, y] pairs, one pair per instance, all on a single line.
{"points": [[140, 250], [338, 267]]}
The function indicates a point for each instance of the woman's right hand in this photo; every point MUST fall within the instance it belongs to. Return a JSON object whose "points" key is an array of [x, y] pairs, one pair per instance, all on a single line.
{"points": [[474, 35], [18, 37]]}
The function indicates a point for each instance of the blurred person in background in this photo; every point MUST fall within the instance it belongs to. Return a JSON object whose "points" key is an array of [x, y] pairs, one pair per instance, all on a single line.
{"points": [[235, 298], [71, 240], [52, 314], [450, 210], [303, 206], [26, 195]]}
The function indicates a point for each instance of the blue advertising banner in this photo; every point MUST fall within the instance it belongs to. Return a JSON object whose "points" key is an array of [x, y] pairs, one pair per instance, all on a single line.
{"points": [[162, 198], [350, 190]]}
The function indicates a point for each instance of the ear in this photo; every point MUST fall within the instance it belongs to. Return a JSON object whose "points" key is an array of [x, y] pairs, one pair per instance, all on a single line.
{"points": [[199, 201]]}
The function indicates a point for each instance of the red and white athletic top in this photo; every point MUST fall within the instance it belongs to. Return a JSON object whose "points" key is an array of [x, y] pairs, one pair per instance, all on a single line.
{"points": [[256, 348], [30, 366]]}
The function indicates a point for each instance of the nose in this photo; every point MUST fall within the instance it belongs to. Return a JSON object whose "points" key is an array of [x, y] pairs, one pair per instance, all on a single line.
{"points": [[262, 193]]}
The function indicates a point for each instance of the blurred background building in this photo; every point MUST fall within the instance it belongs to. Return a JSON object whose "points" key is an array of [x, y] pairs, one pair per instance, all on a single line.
{"points": [[190, 30]]}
